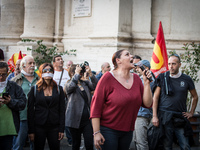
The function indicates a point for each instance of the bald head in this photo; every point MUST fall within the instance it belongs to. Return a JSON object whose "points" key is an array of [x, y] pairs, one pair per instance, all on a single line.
{"points": [[105, 67], [69, 64]]}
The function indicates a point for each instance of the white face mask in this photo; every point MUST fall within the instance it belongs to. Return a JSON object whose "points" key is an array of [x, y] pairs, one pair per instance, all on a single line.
{"points": [[27, 74], [47, 75]]}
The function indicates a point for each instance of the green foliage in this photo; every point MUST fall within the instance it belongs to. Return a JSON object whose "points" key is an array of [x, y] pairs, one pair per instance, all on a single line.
{"points": [[45, 54], [191, 58]]}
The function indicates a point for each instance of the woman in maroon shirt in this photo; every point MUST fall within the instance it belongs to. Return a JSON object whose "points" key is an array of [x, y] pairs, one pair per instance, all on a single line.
{"points": [[116, 101]]}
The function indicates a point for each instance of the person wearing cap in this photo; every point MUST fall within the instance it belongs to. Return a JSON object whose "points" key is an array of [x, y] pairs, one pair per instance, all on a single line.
{"points": [[144, 115], [136, 59]]}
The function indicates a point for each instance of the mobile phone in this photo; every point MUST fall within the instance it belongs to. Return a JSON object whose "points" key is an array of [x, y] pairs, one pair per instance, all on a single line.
{"points": [[142, 68], [5, 94]]}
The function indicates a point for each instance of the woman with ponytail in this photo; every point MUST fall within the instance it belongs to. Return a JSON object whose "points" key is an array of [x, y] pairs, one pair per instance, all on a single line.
{"points": [[116, 101], [46, 111]]}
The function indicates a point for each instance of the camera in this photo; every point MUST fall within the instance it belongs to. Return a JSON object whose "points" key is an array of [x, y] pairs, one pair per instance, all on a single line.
{"points": [[83, 68]]}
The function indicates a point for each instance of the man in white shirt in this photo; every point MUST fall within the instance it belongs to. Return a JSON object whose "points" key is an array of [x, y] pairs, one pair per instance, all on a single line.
{"points": [[61, 75]]}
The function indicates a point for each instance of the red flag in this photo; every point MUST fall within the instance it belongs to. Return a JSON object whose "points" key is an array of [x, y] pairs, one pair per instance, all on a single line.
{"points": [[20, 55], [13, 59], [159, 60], [11, 64]]}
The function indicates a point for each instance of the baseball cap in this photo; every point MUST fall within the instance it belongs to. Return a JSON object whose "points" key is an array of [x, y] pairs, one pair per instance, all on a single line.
{"points": [[144, 62]]}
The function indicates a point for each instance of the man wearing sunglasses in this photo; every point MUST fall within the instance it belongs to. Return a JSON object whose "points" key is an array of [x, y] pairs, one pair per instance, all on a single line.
{"points": [[26, 79], [12, 100]]}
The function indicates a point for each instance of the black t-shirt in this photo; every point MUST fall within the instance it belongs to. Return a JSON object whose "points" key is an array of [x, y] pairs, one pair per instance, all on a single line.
{"points": [[85, 115], [176, 102]]}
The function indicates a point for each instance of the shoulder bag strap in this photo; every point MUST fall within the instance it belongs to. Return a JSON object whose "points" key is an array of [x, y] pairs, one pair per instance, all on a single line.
{"points": [[58, 90], [35, 91], [166, 85], [61, 76]]}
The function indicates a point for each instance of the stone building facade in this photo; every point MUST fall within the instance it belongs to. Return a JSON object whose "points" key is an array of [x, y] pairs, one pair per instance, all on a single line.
{"points": [[98, 28]]}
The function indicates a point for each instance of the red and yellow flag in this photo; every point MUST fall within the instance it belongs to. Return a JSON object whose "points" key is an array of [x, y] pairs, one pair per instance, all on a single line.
{"points": [[13, 59], [159, 60]]}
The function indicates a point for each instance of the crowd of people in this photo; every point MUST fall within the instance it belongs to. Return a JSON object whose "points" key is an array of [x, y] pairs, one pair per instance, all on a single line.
{"points": [[110, 108]]}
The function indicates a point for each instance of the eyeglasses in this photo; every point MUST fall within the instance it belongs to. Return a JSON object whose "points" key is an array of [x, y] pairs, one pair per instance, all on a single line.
{"points": [[45, 70], [3, 74]]}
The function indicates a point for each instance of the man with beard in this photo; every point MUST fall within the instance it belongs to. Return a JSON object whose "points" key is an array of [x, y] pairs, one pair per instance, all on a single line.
{"points": [[169, 104], [17, 70], [26, 79]]}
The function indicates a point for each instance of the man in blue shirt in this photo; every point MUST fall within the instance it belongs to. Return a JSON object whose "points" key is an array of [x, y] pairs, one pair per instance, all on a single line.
{"points": [[144, 115], [104, 68]]}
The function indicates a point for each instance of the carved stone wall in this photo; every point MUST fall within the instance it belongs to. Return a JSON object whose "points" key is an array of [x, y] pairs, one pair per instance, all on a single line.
{"points": [[111, 25]]}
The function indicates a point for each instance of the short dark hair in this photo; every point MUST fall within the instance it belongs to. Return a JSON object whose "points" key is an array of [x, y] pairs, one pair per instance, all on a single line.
{"points": [[3, 64], [176, 55], [54, 57], [137, 57]]}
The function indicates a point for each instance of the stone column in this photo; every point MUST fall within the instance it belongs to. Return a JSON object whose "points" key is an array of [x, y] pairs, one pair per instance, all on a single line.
{"points": [[59, 23], [12, 20], [141, 28], [98, 36], [141, 19], [39, 19]]}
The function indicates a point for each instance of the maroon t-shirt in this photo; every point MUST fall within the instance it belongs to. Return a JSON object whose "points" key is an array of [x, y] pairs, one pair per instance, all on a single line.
{"points": [[116, 106]]}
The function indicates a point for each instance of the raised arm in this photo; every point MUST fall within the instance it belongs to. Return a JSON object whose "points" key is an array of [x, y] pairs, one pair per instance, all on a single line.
{"points": [[147, 96]]}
